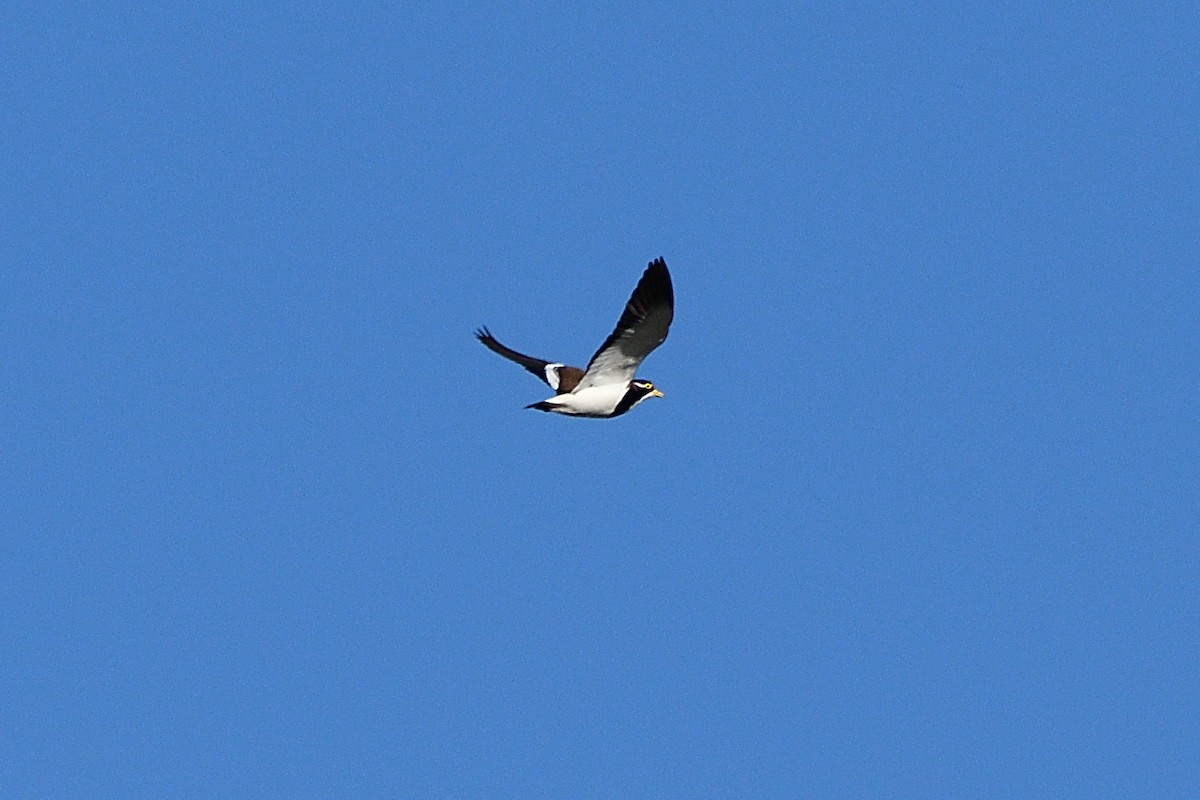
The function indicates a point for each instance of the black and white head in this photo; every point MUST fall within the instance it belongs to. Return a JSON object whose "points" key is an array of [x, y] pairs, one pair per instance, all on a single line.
{"points": [[638, 391]]}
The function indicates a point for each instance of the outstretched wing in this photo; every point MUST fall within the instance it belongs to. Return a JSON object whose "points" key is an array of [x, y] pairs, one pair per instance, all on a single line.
{"points": [[643, 326], [558, 377]]}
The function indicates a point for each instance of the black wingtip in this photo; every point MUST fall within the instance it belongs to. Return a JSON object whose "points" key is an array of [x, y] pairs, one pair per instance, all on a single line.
{"points": [[483, 333], [655, 284], [541, 406], [657, 270]]}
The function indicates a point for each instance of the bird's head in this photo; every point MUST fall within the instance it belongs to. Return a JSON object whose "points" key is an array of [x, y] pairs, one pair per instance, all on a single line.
{"points": [[646, 388]]}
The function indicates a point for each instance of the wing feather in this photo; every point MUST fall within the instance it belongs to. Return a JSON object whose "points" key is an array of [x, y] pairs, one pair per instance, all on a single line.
{"points": [[568, 377], [642, 327]]}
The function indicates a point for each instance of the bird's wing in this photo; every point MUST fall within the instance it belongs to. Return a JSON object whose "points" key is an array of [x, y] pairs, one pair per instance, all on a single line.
{"points": [[643, 326], [557, 376]]}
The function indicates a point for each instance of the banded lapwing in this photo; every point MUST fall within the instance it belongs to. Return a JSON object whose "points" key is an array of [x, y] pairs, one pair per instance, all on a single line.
{"points": [[607, 387]]}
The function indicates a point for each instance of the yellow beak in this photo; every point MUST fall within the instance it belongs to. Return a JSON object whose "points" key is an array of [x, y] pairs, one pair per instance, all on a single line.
{"points": [[656, 393]]}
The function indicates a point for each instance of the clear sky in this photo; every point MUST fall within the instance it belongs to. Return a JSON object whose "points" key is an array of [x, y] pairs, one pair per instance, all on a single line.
{"points": [[917, 517]]}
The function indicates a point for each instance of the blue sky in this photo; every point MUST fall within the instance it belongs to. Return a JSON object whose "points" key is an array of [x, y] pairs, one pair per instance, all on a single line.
{"points": [[916, 518]]}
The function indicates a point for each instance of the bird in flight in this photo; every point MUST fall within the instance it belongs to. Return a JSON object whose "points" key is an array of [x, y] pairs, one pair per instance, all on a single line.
{"points": [[607, 387]]}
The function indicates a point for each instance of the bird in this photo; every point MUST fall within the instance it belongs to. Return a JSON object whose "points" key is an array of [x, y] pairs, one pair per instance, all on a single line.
{"points": [[606, 387]]}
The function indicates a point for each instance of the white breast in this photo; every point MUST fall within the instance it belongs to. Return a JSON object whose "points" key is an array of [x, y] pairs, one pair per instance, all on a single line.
{"points": [[594, 401]]}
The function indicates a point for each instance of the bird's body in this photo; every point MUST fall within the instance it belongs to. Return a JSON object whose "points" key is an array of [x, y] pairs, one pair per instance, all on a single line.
{"points": [[607, 387], [596, 401]]}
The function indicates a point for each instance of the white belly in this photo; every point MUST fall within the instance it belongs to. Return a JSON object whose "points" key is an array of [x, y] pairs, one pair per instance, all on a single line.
{"points": [[594, 401]]}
